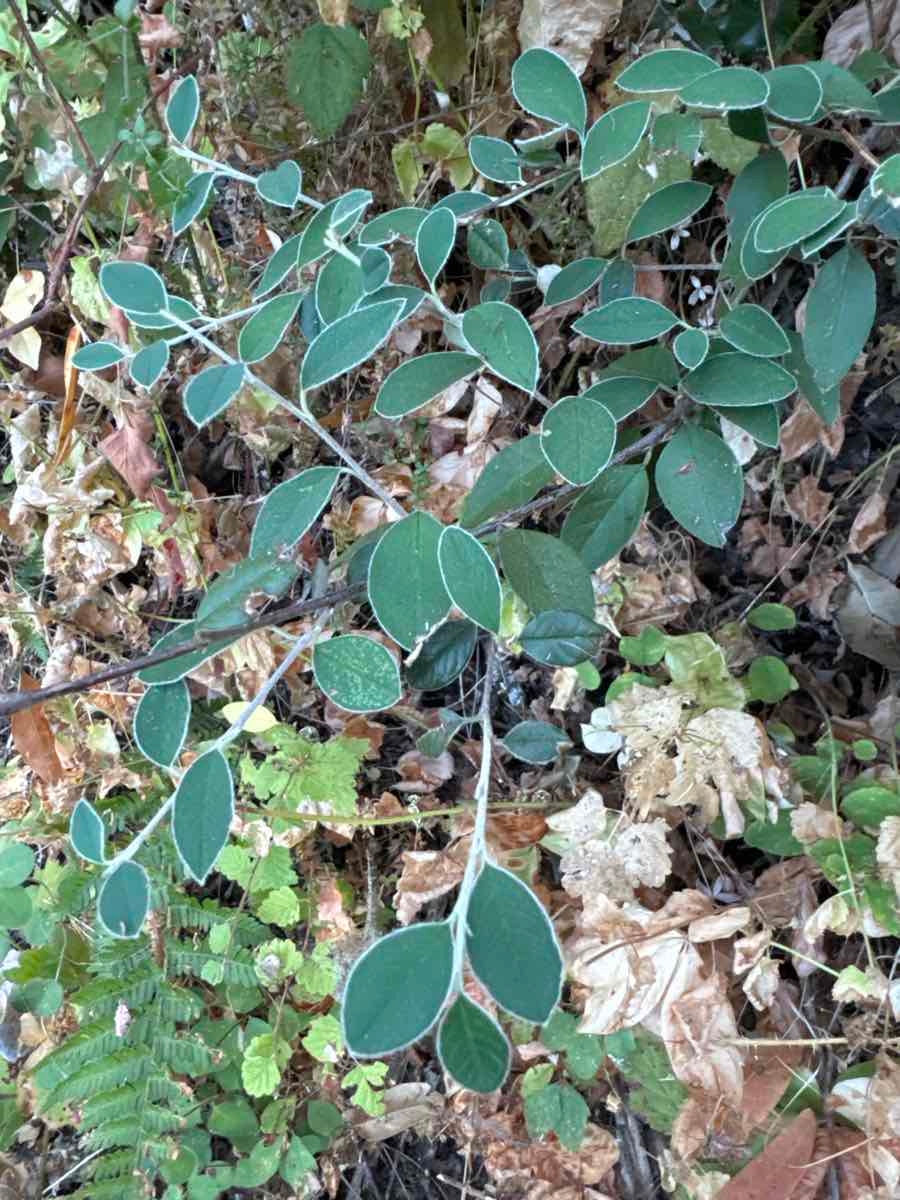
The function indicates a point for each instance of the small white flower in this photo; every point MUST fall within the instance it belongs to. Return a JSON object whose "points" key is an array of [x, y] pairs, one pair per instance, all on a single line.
{"points": [[701, 291], [122, 1019], [678, 237]]}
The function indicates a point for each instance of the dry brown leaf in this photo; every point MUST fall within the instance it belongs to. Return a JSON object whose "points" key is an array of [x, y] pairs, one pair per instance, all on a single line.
{"points": [[852, 32], [719, 925], [808, 502], [157, 33], [804, 429], [24, 293], [426, 875], [816, 591], [406, 1106], [70, 402], [887, 851], [33, 738], [780, 891], [776, 1172], [810, 823], [132, 458], [697, 1028], [869, 524], [418, 773], [570, 27]]}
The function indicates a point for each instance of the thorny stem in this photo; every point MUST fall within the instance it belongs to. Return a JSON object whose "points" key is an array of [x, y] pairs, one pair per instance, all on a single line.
{"points": [[478, 846]]}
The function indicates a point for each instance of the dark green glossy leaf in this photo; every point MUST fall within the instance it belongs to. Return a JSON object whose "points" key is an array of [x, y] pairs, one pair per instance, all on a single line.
{"points": [[535, 741], [510, 479], [545, 572], [406, 590], [470, 577], [443, 657], [701, 483], [417, 381], [606, 515], [561, 639]]}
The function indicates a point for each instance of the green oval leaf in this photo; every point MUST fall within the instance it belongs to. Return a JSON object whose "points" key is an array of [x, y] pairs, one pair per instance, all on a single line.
{"points": [[559, 638], [410, 298], [16, 863], [176, 668], [606, 516], [534, 741], [503, 338], [325, 70], [397, 989], [512, 946], [133, 286], [868, 806], [434, 241], [691, 347], [574, 280], [545, 572], [443, 656], [98, 356], [472, 1047], [192, 201], [348, 342], [280, 265], [795, 93], [510, 479], [281, 185], [357, 673], [544, 84], [627, 321], [795, 217], [578, 436], [701, 484], [753, 262], [183, 109], [769, 680], [495, 159], [727, 89], [735, 380], [470, 577], [87, 833], [161, 722], [487, 246], [124, 900], [665, 71], [417, 381], [202, 813], [148, 364], [772, 618], [840, 312], [761, 421], [16, 907], [666, 208], [624, 394], [614, 136], [290, 509], [406, 590], [388, 227], [210, 392], [263, 332], [226, 597], [752, 330]]}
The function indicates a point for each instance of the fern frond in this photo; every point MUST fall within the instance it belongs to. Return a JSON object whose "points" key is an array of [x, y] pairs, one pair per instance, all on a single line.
{"points": [[113, 1071], [109, 1106], [133, 1131], [237, 971], [104, 995], [93, 1041], [183, 1055]]}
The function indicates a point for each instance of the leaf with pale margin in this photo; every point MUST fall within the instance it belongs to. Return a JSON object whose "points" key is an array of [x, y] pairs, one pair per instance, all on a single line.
{"points": [[183, 109], [665, 71], [472, 1047], [192, 201], [574, 280], [98, 356], [396, 990], [470, 577], [133, 286], [667, 208], [87, 833], [545, 85], [614, 136], [148, 364], [534, 742], [434, 241], [357, 673], [405, 586], [752, 330], [626, 322], [124, 900], [503, 338], [840, 313], [701, 483], [578, 436], [795, 217], [290, 509], [417, 381], [691, 347], [443, 656], [263, 333], [281, 186], [347, 343], [510, 479], [225, 601], [210, 392], [727, 89], [795, 93], [161, 722], [202, 813], [512, 946], [736, 380], [495, 159]]}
